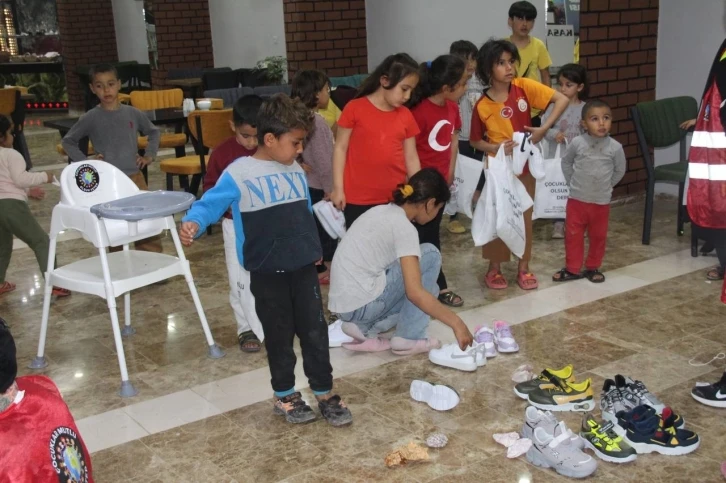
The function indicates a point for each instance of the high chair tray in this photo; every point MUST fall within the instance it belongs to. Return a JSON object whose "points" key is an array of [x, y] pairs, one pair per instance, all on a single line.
{"points": [[150, 204]]}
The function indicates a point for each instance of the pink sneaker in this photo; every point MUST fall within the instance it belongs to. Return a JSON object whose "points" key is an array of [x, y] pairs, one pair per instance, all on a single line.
{"points": [[503, 337]]}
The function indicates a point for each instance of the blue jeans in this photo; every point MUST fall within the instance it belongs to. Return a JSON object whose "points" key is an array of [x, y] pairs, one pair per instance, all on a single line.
{"points": [[392, 308]]}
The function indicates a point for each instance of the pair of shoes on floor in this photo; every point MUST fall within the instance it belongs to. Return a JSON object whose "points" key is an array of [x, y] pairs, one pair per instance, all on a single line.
{"points": [[624, 394], [602, 439], [297, 411], [646, 431], [713, 395], [557, 390], [555, 446], [438, 396], [486, 344]]}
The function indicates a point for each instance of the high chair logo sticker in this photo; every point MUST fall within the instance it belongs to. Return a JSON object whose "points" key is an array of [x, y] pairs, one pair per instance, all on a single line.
{"points": [[87, 178]]}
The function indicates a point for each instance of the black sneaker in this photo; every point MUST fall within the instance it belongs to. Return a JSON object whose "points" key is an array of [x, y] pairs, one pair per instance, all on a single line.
{"points": [[713, 395], [335, 411], [294, 408]]}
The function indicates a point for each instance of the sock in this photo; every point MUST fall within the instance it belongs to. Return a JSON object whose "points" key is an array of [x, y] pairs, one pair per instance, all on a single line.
{"points": [[282, 394]]}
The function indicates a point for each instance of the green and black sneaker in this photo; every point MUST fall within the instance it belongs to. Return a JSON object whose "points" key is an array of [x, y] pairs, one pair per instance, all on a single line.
{"points": [[548, 378], [604, 442]]}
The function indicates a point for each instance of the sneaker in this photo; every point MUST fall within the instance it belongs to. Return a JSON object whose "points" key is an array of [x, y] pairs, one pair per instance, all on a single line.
{"points": [[546, 379], [336, 336], [645, 431], [604, 442], [612, 401], [533, 418], [503, 337], [565, 396], [452, 356], [554, 450], [438, 397], [294, 408], [713, 395], [484, 335], [558, 230], [335, 411], [642, 395]]}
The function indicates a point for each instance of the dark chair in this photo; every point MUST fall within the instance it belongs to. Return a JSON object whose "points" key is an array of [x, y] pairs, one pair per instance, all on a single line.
{"points": [[12, 106], [228, 96], [185, 73], [342, 95], [269, 91], [252, 77], [657, 126], [212, 80]]}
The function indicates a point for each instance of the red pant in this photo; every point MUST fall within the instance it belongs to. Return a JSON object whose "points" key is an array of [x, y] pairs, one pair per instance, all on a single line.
{"points": [[583, 216]]}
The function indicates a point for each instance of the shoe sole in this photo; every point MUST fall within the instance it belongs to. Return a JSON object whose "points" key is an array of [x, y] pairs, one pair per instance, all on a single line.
{"points": [[606, 457], [584, 406], [507, 351], [279, 412], [710, 402], [537, 459], [440, 398], [521, 395]]}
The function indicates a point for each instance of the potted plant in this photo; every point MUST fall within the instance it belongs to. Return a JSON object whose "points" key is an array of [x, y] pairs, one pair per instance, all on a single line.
{"points": [[274, 68]]}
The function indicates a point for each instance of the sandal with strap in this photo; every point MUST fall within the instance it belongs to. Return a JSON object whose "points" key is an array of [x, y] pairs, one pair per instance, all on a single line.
{"points": [[6, 287], [450, 298], [249, 342], [565, 275], [715, 273], [595, 276], [60, 292], [527, 281], [494, 280]]}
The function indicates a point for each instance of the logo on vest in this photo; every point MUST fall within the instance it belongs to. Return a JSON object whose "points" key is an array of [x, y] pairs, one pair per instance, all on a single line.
{"points": [[66, 454], [433, 142], [87, 178], [506, 112]]}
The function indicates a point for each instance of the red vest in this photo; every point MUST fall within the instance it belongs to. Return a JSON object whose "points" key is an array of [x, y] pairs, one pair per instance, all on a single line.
{"points": [[39, 440]]}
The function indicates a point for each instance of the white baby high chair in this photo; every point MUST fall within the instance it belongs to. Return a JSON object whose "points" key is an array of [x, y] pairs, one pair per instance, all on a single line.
{"points": [[108, 209]]}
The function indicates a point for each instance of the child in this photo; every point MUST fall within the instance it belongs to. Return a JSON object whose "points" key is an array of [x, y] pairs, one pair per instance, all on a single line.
{"points": [[277, 242], [434, 107], [113, 129], [241, 145], [534, 60], [505, 109], [383, 278], [312, 87], [593, 164], [375, 149], [572, 79], [474, 88], [15, 216]]}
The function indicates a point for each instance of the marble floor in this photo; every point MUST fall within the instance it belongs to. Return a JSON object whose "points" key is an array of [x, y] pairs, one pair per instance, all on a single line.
{"points": [[197, 419]]}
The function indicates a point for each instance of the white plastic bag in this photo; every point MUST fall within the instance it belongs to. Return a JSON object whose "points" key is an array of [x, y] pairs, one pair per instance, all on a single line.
{"points": [[512, 200], [552, 192], [526, 152], [466, 177], [484, 221]]}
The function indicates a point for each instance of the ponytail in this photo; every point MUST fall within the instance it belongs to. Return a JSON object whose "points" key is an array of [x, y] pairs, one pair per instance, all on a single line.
{"points": [[445, 70], [395, 67], [425, 185]]}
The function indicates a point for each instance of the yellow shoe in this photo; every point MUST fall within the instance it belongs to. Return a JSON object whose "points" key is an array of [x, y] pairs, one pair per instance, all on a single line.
{"points": [[456, 227], [568, 396], [548, 378]]}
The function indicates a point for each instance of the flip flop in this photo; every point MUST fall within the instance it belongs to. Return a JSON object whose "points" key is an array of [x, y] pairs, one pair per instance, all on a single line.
{"points": [[449, 298], [6, 287], [715, 273], [528, 277], [494, 280], [369, 345], [60, 292], [565, 276], [595, 276], [325, 280], [248, 342]]}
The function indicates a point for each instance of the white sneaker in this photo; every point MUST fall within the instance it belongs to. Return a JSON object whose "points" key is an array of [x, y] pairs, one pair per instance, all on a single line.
{"points": [[452, 356], [438, 397], [336, 336]]}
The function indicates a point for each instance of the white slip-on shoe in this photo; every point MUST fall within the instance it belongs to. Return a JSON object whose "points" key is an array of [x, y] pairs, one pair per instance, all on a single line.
{"points": [[336, 336], [438, 397], [452, 356]]}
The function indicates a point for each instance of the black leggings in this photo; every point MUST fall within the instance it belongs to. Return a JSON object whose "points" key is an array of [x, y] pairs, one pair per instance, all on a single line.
{"points": [[353, 212], [289, 304], [716, 236], [430, 233]]}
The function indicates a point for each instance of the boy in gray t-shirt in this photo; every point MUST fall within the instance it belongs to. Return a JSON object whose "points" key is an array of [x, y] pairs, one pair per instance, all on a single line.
{"points": [[113, 129]]}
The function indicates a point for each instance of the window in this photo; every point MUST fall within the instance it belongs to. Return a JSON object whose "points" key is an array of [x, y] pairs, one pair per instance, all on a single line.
{"points": [[8, 37]]}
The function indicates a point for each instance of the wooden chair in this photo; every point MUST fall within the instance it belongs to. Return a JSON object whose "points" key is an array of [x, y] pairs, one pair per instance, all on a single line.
{"points": [[163, 99], [12, 107], [207, 129]]}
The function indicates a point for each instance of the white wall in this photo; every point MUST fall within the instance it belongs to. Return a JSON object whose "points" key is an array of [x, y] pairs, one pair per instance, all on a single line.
{"points": [[689, 33], [245, 31], [425, 28], [128, 20]]}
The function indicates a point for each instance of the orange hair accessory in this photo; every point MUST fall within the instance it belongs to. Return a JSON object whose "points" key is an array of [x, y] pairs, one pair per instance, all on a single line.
{"points": [[406, 190]]}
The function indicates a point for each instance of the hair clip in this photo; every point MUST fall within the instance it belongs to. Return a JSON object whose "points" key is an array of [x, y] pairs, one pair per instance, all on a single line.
{"points": [[406, 190]]}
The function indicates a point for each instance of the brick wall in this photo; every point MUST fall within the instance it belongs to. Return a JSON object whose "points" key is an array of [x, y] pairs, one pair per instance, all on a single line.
{"points": [[183, 37], [326, 35], [85, 42], [618, 41]]}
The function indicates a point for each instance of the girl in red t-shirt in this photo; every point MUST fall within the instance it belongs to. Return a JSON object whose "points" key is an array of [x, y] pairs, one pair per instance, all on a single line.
{"points": [[434, 106], [375, 148]]}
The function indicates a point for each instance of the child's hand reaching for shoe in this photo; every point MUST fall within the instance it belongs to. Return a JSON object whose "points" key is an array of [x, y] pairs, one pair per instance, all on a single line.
{"points": [[463, 336], [187, 232]]}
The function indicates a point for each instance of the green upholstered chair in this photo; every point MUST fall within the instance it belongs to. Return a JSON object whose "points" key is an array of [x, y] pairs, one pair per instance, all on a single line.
{"points": [[657, 126]]}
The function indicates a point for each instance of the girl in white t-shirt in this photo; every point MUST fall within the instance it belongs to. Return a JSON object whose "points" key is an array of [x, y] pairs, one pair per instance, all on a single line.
{"points": [[382, 278]]}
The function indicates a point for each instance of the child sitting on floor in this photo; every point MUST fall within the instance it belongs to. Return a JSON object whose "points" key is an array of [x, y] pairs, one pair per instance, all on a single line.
{"points": [[277, 241], [241, 145], [15, 216], [593, 164]]}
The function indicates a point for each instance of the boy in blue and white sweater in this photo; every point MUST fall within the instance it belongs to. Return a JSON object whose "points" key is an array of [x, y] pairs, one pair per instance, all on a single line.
{"points": [[277, 242]]}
